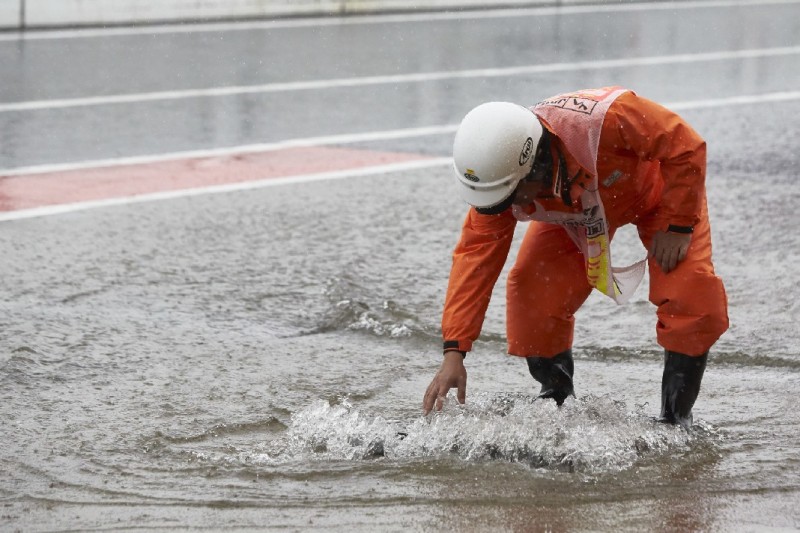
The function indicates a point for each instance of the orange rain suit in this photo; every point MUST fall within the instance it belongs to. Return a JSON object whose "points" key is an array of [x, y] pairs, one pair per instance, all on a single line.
{"points": [[651, 167]]}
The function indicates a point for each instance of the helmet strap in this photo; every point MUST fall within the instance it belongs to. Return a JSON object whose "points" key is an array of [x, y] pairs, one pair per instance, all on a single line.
{"points": [[499, 208]]}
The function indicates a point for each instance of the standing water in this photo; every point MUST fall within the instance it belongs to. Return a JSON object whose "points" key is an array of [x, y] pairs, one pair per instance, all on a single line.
{"points": [[257, 360]]}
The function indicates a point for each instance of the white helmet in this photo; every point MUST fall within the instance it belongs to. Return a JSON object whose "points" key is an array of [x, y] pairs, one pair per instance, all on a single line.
{"points": [[493, 150]]}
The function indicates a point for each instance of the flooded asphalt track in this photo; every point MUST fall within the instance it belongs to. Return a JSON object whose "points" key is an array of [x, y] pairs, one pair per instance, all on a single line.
{"points": [[256, 359]]}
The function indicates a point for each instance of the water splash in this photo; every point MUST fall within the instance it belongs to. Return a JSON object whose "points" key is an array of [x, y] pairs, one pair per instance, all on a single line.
{"points": [[591, 435]]}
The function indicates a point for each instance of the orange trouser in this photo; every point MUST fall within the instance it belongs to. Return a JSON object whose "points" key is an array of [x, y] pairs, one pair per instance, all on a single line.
{"points": [[548, 284]]}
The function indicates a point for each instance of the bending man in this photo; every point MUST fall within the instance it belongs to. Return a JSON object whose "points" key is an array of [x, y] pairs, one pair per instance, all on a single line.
{"points": [[579, 166]]}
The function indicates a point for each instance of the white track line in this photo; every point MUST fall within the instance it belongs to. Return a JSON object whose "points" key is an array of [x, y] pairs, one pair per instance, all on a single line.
{"points": [[399, 78], [341, 139], [348, 138], [427, 16], [766, 98], [216, 189]]}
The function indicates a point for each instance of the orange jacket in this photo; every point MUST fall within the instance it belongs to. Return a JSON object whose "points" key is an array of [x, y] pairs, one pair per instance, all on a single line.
{"points": [[648, 158]]}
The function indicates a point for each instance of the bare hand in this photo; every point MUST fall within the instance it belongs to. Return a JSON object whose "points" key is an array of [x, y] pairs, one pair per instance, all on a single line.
{"points": [[451, 374], [669, 249]]}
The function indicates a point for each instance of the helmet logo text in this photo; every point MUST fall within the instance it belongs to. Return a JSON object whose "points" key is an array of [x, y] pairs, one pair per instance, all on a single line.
{"points": [[527, 150]]}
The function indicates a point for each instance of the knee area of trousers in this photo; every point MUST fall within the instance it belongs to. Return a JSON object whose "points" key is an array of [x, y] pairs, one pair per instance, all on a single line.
{"points": [[517, 278], [714, 324], [691, 334], [702, 299]]}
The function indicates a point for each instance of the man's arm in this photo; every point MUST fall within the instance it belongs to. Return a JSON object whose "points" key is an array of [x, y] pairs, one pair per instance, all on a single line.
{"points": [[655, 133], [477, 262]]}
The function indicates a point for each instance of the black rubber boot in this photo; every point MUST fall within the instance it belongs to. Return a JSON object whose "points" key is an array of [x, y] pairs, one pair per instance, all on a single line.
{"points": [[680, 386], [555, 375]]}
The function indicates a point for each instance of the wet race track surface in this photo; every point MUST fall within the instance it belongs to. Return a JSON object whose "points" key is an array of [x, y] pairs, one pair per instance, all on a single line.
{"points": [[224, 256]]}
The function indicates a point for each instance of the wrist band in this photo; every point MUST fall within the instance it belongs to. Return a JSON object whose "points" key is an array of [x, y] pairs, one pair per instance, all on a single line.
{"points": [[680, 229], [453, 346]]}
